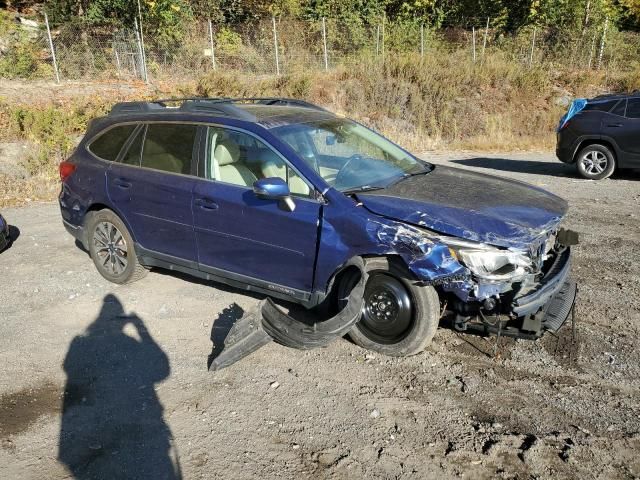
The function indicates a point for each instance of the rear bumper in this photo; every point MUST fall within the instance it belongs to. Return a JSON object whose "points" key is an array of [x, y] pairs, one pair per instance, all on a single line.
{"points": [[565, 154], [77, 231]]}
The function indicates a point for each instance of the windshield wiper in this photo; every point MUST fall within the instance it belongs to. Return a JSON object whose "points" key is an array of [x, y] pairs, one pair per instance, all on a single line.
{"points": [[363, 188]]}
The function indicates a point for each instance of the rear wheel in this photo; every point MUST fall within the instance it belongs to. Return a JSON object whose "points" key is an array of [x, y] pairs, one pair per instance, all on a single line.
{"points": [[399, 318], [595, 162], [111, 248]]}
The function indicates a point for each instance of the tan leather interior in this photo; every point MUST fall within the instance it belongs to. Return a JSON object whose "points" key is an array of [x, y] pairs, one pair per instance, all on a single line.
{"points": [[227, 167], [156, 156]]}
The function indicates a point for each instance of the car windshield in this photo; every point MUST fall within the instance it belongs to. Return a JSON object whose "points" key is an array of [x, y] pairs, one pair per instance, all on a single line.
{"points": [[349, 156]]}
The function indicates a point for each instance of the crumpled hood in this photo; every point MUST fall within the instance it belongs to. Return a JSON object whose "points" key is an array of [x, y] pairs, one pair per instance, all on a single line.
{"points": [[470, 205]]}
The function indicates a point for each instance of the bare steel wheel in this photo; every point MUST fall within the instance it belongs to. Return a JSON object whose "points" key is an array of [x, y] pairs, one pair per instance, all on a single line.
{"points": [[399, 317], [111, 248], [595, 162], [387, 313]]}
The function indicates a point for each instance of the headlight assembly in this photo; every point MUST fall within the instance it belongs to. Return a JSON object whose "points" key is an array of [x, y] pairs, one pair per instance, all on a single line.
{"points": [[487, 262]]}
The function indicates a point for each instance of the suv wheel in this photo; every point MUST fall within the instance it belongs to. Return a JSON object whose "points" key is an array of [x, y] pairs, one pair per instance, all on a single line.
{"points": [[398, 317], [111, 248], [595, 162]]}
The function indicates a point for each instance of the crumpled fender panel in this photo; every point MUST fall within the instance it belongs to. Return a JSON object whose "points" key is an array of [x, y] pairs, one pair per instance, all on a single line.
{"points": [[267, 322]]}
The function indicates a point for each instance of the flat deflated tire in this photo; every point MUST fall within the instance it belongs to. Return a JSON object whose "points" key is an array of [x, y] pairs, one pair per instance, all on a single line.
{"points": [[111, 248], [399, 318]]}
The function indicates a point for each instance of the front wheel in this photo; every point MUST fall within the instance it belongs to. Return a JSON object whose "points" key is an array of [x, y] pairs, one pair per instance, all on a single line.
{"points": [[399, 318], [595, 162]]}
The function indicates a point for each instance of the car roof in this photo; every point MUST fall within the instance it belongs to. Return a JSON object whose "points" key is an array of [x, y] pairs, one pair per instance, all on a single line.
{"points": [[615, 96], [269, 112]]}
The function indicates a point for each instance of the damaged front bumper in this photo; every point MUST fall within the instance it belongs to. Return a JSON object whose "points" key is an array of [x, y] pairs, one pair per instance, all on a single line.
{"points": [[545, 307]]}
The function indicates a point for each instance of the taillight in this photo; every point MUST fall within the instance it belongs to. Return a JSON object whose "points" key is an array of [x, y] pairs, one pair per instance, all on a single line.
{"points": [[66, 169]]}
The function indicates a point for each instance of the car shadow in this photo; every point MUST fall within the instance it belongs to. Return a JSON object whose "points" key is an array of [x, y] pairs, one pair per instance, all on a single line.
{"points": [[112, 420], [556, 169]]}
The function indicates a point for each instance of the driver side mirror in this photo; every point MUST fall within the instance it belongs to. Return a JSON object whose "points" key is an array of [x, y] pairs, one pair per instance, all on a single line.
{"points": [[274, 188]]}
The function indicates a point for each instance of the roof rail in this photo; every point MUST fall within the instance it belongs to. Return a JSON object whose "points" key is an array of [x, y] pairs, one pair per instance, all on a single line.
{"points": [[219, 105]]}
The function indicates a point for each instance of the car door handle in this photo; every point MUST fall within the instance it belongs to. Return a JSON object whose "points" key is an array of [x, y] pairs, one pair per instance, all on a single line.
{"points": [[614, 125], [206, 204], [119, 182]]}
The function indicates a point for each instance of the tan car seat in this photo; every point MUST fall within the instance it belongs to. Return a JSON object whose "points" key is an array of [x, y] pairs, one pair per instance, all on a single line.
{"points": [[155, 156], [226, 165], [274, 166]]}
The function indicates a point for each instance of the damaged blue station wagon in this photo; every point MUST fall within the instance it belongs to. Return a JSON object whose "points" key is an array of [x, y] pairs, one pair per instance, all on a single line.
{"points": [[280, 196]]}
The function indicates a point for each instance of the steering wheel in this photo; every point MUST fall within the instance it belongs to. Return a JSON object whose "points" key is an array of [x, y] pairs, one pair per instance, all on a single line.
{"points": [[344, 169]]}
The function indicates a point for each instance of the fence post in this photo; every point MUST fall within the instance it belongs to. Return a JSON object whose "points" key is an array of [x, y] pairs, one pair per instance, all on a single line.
{"points": [[53, 51], [473, 39], [144, 55], [533, 46], [213, 55], [422, 40], [275, 44], [604, 34], [484, 41], [384, 16], [377, 40], [324, 44], [143, 66], [593, 48]]}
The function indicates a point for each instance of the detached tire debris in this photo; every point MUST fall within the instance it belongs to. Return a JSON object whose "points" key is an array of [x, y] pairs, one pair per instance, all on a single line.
{"points": [[267, 323]]}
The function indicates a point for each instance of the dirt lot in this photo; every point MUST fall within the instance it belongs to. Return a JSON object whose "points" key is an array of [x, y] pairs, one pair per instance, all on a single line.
{"points": [[545, 409]]}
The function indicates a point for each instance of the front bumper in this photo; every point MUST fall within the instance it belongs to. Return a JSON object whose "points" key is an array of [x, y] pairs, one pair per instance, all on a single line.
{"points": [[545, 308], [548, 287]]}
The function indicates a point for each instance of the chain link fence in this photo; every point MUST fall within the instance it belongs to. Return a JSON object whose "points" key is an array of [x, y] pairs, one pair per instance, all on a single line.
{"points": [[281, 46]]}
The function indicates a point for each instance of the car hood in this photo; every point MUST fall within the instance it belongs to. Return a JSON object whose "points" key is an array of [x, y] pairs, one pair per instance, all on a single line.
{"points": [[474, 206]]}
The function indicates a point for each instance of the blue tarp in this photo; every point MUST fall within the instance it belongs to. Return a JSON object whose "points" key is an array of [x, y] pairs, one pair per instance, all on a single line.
{"points": [[576, 106]]}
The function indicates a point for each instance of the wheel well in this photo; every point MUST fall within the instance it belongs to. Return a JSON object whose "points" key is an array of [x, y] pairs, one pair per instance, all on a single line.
{"points": [[595, 141], [95, 207]]}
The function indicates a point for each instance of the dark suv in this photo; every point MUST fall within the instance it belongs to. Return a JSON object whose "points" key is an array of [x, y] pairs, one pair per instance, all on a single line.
{"points": [[280, 196], [601, 134]]}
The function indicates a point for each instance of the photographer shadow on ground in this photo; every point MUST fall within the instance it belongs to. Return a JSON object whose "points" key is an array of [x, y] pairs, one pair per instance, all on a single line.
{"points": [[112, 420]]}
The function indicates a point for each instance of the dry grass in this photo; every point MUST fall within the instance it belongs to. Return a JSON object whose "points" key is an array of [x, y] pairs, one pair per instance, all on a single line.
{"points": [[441, 101]]}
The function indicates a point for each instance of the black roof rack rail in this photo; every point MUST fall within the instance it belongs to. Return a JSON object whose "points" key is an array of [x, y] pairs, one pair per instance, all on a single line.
{"points": [[220, 105]]}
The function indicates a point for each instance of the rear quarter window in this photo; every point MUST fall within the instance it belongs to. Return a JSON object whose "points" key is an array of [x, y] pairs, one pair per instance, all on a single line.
{"points": [[600, 106], [633, 108], [108, 145]]}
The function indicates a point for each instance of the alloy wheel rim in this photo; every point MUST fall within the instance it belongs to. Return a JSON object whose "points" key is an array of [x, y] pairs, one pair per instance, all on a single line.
{"points": [[387, 313], [111, 248], [594, 162]]}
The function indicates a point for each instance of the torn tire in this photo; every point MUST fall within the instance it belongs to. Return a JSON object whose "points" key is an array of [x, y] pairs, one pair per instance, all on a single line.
{"points": [[267, 322]]}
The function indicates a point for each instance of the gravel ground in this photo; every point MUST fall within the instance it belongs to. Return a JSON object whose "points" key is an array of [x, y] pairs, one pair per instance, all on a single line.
{"points": [[553, 408]]}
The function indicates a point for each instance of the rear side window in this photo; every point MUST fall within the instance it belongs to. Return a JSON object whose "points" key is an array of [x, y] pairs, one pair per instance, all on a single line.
{"points": [[620, 108], [169, 147], [600, 106], [633, 108], [108, 145]]}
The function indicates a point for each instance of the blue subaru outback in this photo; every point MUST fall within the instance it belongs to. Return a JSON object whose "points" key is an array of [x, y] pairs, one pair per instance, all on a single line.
{"points": [[278, 196]]}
